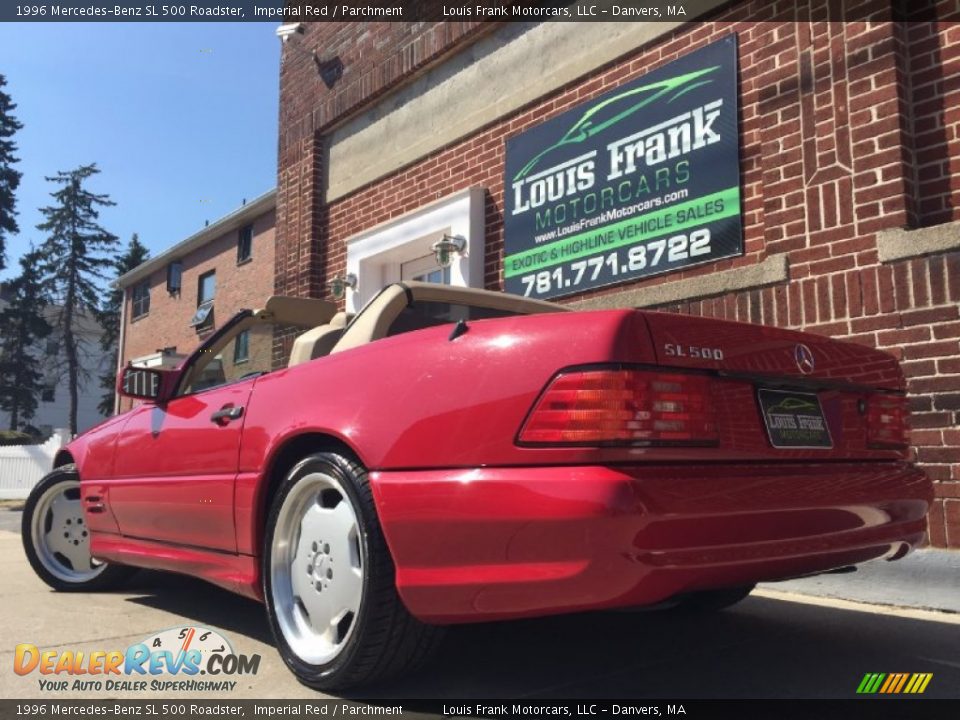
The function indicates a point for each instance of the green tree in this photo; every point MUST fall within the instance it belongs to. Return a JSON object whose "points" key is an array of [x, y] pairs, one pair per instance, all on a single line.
{"points": [[76, 257], [135, 254], [9, 178], [22, 326]]}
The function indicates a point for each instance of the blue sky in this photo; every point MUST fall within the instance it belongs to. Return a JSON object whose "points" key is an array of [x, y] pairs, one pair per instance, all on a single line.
{"points": [[181, 118]]}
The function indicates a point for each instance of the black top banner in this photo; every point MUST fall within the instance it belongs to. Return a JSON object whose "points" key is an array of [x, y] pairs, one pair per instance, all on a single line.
{"points": [[414, 709], [640, 181], [438, 10]]}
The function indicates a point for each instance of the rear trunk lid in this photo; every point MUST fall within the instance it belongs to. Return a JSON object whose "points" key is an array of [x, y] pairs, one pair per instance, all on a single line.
{"points": [[788, 395], [769, 354]]}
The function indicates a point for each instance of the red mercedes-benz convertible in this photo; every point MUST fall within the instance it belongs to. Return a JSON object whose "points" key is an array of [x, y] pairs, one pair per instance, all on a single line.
{"points": [[452, 456]]}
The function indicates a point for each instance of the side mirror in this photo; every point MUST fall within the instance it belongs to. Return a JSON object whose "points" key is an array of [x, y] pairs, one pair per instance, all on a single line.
{"points": [[142, 383]]}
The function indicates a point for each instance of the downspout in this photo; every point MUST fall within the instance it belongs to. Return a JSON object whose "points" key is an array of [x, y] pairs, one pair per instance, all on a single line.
{"points": [[123, 335]]}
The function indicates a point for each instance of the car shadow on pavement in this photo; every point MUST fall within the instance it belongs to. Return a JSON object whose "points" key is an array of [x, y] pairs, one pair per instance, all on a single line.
{"points": [[762, 648], [200, 602]]}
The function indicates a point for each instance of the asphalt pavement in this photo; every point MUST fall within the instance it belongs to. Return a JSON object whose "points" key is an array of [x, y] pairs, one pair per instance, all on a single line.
{"points": [[925, 579], [793, 640]]}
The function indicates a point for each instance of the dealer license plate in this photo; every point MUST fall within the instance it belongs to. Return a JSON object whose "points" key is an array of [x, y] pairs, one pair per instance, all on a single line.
{"points": [[794, 419]]}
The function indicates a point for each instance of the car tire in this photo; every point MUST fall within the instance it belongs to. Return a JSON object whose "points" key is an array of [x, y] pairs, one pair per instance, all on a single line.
{"points": [[713, 600], [329, 581], [56, 540]]}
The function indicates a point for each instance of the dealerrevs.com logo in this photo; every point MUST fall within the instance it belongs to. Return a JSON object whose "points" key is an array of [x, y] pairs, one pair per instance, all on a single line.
{"points": [[169, 661]]}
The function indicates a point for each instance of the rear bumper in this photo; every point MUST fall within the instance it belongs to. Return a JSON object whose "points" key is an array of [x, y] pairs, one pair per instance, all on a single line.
{"points": [[498, 543]]}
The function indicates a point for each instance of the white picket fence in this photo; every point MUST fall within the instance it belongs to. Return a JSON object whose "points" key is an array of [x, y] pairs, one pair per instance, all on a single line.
{"points": [[22, 466]]}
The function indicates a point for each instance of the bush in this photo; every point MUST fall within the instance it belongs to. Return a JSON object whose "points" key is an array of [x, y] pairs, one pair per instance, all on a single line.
{"points": [[15, 437]]}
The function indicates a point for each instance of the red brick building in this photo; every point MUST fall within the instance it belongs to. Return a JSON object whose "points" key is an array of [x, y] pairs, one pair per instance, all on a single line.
{"points": [[849, 154], [174, 300]]}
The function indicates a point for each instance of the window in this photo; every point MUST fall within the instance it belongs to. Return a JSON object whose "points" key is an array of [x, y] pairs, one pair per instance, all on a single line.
{"points": [[203, 317], [425, 269], [253, 342], [141, 299], [241, 348], [174, 277], [245, 244], [206, 287], [53, 346], [49, 392]]}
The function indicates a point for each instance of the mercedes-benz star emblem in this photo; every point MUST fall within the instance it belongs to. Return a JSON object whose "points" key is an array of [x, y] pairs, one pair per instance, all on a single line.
{"points": [[804, 357]]}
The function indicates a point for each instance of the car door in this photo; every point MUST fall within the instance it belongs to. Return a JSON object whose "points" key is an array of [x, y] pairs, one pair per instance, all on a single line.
{"points": [[177, 460], [176, 465]]}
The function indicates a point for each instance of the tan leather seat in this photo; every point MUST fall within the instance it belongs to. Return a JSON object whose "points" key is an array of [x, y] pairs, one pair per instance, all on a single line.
{"points": [[319, 341]]}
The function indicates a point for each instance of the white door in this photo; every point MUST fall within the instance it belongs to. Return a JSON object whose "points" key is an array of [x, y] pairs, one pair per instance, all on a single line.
{"points": [[425, 269]]}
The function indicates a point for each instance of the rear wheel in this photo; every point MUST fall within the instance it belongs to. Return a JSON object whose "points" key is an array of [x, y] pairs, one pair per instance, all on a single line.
{"points": [[329, 581], [713, 600], [57, 541]]}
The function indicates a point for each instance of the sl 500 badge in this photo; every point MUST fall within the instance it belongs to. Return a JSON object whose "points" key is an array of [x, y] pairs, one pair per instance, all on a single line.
{"points": [[694, 352]]}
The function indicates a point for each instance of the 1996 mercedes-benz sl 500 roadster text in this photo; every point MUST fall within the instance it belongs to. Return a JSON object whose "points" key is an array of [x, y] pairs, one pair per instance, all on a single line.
{"points": [[452, 456]]}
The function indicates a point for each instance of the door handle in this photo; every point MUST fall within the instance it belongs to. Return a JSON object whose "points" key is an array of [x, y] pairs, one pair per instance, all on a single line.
{"points": [[226, 414]]}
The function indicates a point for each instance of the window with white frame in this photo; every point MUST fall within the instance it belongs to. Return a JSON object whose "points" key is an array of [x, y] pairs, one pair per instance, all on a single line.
{"points": [[401, 249]]}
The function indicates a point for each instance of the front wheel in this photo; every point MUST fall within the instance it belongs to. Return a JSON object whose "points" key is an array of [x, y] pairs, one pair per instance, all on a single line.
{"points": [[328, 581], [56, 538]]}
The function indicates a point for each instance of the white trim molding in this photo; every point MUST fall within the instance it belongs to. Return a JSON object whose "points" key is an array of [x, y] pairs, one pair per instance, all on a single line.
{"points": [[375, 255]]}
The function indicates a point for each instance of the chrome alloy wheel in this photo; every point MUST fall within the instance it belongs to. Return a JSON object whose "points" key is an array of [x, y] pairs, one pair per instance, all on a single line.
{"points": [[60, 535], [317, 568]]}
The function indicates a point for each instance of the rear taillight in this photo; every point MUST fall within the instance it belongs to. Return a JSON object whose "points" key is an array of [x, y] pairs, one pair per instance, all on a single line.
{"points": [[623, 407], [887, 421]]}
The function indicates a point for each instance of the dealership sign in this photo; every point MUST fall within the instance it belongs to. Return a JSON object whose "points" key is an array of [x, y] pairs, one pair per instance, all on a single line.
{"points": [[643, 180]]}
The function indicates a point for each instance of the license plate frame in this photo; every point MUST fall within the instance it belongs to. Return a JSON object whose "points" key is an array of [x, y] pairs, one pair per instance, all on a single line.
{"points": [[794, 420]]}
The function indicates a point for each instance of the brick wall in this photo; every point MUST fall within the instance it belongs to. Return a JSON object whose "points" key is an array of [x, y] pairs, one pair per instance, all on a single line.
{"points": [[375, 57], [848, 130], [933, 71], [246, 285]]}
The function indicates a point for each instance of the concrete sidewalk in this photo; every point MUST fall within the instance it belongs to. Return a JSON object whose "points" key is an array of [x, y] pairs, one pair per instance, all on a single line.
{"points": [[925, 579]]}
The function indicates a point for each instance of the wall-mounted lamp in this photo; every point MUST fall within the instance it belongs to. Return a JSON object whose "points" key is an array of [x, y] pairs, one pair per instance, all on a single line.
{"points": [[338, 286], [291, 30], [288, 30], [445, 248]]}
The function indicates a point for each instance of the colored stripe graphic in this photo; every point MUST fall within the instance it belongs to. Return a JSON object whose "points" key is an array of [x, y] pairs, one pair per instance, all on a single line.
{"points": [[901, 682], [894, 683], [891, 680], [624, 233]]}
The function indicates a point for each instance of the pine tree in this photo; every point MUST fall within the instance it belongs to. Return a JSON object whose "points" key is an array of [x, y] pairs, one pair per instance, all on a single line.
{"points": [[135, 254], [76, 256], [22, 325], [9, 178]]}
